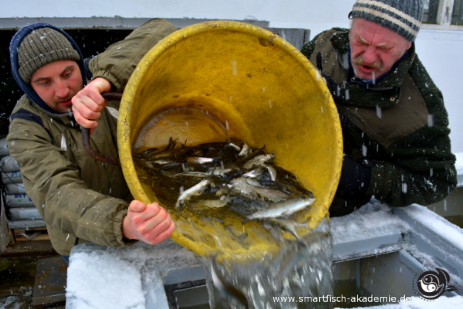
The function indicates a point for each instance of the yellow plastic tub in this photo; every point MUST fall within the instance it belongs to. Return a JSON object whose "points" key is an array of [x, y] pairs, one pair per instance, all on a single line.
{"points": [[221, 79]]}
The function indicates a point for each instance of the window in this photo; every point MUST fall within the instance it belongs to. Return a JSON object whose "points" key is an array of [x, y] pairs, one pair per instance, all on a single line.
{"points": [[457, 14], [430, 11], [443, 13]]}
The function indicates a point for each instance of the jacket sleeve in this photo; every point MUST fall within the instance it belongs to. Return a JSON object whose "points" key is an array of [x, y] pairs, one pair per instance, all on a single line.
{"points": [[120, 59], [422, 166], [62, 198], [308, 48]]}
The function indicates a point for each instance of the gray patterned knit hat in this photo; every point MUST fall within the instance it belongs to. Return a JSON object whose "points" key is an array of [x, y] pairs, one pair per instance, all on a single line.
{"points": [[401, 16], [40, 47]]}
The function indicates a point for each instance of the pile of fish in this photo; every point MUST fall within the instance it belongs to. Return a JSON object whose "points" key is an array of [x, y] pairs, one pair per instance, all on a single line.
{"points": [[223, 174]]}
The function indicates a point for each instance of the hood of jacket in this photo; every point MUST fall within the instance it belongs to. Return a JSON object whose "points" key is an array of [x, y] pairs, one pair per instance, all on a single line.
{"points": [[28, 90]]}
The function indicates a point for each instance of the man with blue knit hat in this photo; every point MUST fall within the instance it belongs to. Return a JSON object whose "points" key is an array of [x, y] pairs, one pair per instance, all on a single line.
{"points": [[80, 198], [394, 121]]}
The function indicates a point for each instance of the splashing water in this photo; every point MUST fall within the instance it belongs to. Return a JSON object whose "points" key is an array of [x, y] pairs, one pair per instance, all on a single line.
{"points": [[249, 263], [300, 269]]}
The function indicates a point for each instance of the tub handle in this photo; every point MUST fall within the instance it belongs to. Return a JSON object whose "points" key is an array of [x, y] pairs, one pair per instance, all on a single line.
{"points": [[86, 135]]}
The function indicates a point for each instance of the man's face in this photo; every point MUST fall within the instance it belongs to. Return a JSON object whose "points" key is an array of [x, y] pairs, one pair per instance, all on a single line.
{"points": [[374, 49], [56, 83]]}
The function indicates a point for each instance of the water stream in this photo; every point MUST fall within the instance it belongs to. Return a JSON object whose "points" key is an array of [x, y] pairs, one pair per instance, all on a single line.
{"points": [[297, 276], [258, 250]]}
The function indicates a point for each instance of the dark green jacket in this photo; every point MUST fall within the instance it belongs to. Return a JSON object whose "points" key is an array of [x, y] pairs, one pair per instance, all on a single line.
{"points": [[400, 123], [80, 198]]}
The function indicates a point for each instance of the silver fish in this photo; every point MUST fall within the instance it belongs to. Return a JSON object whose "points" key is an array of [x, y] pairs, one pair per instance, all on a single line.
{"points": [[273, 195], [252, 188], [272, 171], [244, 151], [212, 203], [283, 208], [197, 189], [289, 226], [200, 160], [192, 174], [237, 148], [163, 161], [241, 185], [259, 160], [254, 173], [219, 171]]}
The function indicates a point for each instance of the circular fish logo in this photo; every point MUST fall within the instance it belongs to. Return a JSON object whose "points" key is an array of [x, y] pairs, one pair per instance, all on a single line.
{"points": [[431, 284]]}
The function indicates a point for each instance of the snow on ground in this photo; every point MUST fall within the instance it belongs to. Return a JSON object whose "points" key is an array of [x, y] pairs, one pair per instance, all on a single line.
{"points": [[120, 287], [105, 277], [374, 217], [439, 225]]}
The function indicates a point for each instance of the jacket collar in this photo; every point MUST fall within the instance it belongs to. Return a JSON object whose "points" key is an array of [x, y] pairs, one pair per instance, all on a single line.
{"points": [[26, 103]]}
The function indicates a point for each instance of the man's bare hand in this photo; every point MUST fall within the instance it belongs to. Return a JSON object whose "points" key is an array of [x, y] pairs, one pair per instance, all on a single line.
{"points": [[88, 103], [149, 223]]}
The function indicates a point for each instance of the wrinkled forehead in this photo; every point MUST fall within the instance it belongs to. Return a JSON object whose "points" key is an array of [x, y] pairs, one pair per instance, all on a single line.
{"points": [[373, 32]]}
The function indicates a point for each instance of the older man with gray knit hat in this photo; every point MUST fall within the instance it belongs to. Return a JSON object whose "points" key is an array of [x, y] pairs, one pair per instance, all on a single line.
{"points": [[79, 198], [394, 121]]}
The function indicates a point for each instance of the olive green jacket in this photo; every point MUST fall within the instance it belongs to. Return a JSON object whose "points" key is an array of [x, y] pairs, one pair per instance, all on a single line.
{"points": [[400, 123], [80, 199]]}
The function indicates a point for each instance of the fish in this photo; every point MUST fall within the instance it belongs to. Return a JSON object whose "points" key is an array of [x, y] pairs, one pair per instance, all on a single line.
{"points": [[217, 203], [191, 174], [244, 151], [162, 161], [260, 170], [289, 226], [272, 171], [218, 171], [251, 155], [259, 160], [239, 186], [237, 148], [195, 190], [254, 173], [283, 208], [220, 174], [201, 160], [270, 194]]}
